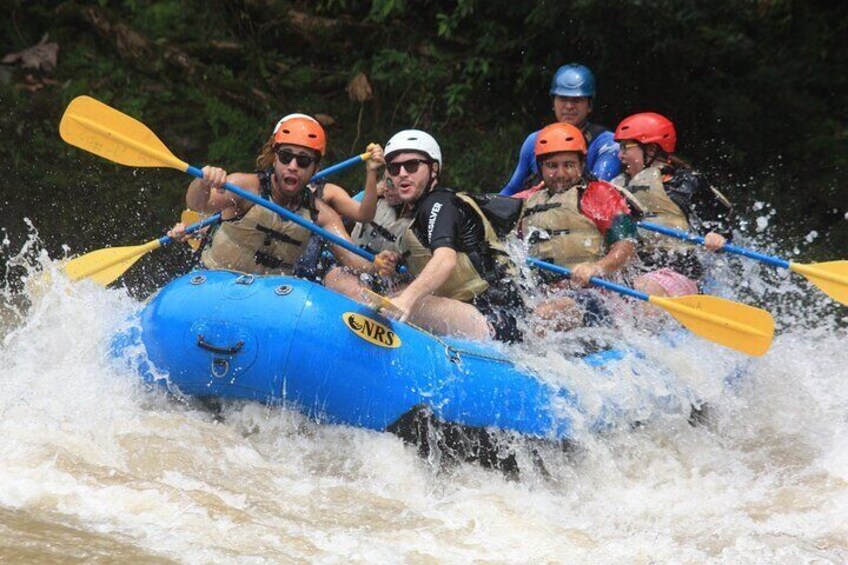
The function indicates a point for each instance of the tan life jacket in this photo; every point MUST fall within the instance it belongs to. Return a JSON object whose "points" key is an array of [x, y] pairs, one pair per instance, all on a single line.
{"points": [[647, 188], [384, 231], [558, 232], [261, 242], [465, 282]]}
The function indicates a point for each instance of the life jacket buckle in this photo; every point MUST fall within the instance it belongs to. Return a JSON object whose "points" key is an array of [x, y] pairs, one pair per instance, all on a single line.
{"points": [[538, 235]]}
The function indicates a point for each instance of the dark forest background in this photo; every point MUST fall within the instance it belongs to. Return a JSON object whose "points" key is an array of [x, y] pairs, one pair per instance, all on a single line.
{"points": [[757, 90]]}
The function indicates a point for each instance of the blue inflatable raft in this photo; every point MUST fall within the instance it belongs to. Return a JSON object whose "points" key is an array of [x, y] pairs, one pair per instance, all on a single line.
{"points": [[285, 340]]}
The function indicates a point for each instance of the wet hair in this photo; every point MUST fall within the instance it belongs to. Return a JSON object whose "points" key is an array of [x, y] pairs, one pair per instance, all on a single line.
{"points": [[659, 153], [678, 162], [265, 159]]}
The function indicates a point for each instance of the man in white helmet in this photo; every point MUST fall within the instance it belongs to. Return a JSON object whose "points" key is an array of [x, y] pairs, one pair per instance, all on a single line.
{"points": [[463, 277]]}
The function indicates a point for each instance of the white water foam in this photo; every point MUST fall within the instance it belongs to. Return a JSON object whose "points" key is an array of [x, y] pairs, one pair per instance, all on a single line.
{"points": [[92, 455]]}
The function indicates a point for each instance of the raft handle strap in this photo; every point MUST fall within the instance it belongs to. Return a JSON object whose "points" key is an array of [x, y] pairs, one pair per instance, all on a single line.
{"points": [[203, 344]]}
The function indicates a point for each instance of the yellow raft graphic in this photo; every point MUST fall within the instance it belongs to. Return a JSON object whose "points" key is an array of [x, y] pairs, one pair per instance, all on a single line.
{"points": [[371, 330]]}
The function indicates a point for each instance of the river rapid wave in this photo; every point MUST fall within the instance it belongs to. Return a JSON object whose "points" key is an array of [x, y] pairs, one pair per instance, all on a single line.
{"points": [[98, 466]]}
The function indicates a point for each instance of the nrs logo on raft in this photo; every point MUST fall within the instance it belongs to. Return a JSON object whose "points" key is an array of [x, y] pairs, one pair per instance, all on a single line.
{"points": [[371, 331]]}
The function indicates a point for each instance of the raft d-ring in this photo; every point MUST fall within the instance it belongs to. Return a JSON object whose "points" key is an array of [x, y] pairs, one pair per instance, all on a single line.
{"points": [[245, 279], [198, 279], [283, 290], [453, 355], [220, 367]]}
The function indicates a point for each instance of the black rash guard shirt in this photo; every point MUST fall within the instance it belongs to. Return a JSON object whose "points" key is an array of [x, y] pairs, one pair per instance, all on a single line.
{"points": [[443, 220]]}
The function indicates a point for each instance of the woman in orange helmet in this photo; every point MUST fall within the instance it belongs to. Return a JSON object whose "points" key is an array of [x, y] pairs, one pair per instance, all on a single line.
{"points": [[672, 195], [253, 239]]}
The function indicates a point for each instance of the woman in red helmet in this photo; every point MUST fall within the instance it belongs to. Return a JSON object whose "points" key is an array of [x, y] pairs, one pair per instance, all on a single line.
{"points": [[253, 239], [670, 194]]}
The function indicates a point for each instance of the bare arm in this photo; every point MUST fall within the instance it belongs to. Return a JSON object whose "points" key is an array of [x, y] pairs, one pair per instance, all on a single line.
{"points": [[368, 206], [332, 222], [207, 195], [346, 206], [343, 204], [620, 253]]}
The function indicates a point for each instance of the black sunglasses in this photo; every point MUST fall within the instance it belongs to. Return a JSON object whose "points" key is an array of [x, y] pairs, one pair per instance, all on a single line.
{"points": [[411, 166], [286, 155]]}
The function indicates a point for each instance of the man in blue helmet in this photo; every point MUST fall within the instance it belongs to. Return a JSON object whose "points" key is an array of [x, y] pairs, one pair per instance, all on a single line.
{"points": [[573, 92]]}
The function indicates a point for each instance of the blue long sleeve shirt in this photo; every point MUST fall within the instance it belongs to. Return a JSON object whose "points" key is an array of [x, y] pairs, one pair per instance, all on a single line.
{"points": [[601, 160]]}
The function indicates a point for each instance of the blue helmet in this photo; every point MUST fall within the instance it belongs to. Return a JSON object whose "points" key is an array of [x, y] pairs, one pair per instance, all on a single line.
{"points": [[573, 80]]}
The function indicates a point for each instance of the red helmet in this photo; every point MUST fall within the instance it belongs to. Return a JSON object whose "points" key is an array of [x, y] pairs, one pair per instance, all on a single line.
{"points": [[559, 137], [301, 130], [648, 127]]}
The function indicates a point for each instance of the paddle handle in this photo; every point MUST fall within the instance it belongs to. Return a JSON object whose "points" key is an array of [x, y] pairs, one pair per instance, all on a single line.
{"points": [[532, 261], [692, 238], [213, 219]]}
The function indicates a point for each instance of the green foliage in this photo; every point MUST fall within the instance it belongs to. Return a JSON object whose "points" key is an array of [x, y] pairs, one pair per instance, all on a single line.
{"points": [[447, 23], [162, 18], [383, 9], [231, 130], [753, 87]]}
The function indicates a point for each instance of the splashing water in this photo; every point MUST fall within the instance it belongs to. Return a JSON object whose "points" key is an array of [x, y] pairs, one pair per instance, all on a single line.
{"points": [[98, 466]]}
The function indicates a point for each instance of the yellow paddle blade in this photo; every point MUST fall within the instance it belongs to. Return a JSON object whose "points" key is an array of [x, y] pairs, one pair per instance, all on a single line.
{"points": [[104, 131], [734, 325], [189, 217], [379, 302], [830, 277], [105, 265]]}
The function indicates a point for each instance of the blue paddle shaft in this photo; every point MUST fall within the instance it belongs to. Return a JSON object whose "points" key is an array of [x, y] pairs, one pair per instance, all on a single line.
{"points": [[338, 167], [773, 261], [594, 280], [213, 219]]}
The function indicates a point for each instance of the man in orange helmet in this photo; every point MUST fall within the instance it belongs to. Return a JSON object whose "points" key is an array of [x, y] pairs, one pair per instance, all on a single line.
{"points": [[586, 227], [253, 239]]}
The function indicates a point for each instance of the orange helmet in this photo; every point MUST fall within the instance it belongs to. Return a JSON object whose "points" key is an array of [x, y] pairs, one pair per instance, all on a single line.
{"points": [[303, 131], [648, 127], [559, 137]]}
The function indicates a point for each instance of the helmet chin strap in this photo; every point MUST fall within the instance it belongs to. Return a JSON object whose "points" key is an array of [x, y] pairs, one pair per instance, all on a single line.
{"points": [[646, 159], [433, 178]]}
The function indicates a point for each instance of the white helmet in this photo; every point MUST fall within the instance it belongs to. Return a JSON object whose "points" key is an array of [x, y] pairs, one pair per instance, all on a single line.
{"points": [[414, 140], [290, 116]]}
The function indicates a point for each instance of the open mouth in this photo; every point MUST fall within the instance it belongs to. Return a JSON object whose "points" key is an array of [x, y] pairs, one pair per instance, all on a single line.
{"points": [[290, 181]]}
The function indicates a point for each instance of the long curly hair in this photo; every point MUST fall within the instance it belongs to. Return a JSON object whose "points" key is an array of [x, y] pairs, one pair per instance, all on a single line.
{"points": [[266, 155]]}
